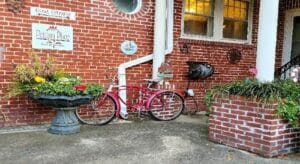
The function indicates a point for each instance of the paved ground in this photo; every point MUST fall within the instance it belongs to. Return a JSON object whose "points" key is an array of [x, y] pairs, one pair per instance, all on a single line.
{"points": [[176, 142]]}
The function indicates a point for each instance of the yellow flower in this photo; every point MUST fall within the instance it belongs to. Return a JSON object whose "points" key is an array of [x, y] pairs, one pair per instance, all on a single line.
{"points": [[39, 79]]}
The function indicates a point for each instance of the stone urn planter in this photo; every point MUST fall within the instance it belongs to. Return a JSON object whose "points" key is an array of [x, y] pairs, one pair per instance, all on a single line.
{"points": [[65, 121]]}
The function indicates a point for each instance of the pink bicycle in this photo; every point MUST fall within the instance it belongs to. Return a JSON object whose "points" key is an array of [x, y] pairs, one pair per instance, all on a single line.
{"points": [[163, 105]]}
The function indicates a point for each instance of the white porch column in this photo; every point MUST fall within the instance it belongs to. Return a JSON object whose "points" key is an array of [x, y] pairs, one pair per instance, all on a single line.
{"points": [[266, 41], [159, 36]]}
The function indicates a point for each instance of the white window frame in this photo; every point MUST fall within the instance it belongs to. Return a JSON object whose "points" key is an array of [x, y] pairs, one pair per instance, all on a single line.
{"points": [[137, 9], [218, 25]]}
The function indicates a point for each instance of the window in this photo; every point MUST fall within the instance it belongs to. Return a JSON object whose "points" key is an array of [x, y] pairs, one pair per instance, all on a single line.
{"points": [[128, 6], [198, 17], [217, 20]]}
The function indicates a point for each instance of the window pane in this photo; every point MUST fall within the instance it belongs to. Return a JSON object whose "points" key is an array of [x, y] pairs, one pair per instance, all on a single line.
{"points": [[226, 12], [197, 25], [186, 6], [235, 29], [225, 2], [208, 9], [200, 8], [198, 17], [230, 12], [237, 4], [237, 13]]}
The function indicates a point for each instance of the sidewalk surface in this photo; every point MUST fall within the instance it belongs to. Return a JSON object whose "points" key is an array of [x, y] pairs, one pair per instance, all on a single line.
{"points": [[140, 142]]}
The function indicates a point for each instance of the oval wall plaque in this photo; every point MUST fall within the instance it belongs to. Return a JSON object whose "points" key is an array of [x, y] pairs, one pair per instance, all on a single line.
{"points": [[129, 47]]}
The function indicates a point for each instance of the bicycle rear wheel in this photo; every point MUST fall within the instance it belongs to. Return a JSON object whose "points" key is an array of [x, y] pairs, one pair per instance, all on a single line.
{"points": [[99, 112], [166, 106]]}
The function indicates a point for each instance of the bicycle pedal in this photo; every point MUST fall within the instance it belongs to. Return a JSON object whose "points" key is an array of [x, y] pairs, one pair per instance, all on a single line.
{"points": [[143, 113]]}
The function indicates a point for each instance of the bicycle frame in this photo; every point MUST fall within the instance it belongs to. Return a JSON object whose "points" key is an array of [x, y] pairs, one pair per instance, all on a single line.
{"points": [[146, 94]]}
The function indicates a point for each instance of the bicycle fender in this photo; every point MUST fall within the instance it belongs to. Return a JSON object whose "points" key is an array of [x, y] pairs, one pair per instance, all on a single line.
{"points": [[156, 93], [116, 100]]}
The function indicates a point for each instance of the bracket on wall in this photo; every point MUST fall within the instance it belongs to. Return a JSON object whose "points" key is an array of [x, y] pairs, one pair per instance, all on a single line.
{"points": [[15, 6], [185, 48], [234, 56], [2, 50]]}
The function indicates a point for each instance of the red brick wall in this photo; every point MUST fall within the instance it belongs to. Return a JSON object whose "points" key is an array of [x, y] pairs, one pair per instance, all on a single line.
{"points": [[98, 31], [252, 126], [214, 53]]}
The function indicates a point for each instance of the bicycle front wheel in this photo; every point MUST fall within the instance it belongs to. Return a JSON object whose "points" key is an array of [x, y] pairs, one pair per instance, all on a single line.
{"points": [[166, 106], [100, 111]]}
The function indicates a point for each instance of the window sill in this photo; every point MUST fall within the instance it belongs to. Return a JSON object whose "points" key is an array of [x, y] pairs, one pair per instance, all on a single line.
{"points": [[207, 39]]}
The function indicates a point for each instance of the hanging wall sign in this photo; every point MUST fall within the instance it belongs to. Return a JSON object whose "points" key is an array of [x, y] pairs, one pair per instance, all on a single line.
{"points": [[59, 14], [53, 37], [129, 47]]}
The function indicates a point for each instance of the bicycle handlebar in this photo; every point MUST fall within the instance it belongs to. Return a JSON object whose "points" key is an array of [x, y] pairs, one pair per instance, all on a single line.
{"points": [[112, 76]]}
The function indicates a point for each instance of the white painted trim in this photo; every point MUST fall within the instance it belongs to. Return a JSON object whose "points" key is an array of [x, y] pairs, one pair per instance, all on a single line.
{"points": [[223, 40], [159, 44], [218, 26], [138, 7], [288, 34], [266, 40]]}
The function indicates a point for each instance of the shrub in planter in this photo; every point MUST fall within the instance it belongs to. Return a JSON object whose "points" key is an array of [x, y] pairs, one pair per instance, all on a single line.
{"points": [[44, 78], [285, 92]]}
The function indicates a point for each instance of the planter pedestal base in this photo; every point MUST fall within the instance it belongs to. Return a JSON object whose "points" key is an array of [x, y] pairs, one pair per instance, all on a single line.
{"points": [[65, 122]]}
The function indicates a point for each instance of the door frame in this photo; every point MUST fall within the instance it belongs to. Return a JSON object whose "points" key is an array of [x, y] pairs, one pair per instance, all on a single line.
{"points": [[288, 34]]}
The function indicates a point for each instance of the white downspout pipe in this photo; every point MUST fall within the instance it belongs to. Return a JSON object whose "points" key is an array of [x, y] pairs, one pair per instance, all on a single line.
{"points": [[167, 48], [159, 36]]}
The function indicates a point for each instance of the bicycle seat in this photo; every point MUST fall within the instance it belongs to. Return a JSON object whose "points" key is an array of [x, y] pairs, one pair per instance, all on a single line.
{"points": [[153, 81]]}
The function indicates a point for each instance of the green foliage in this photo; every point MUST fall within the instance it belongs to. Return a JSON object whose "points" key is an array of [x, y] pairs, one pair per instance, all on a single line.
{"points": [[49, 88], [284, 91], [42, 77], [208, 100], [93, 89], [17, 88], [24, 74], [290, 110]]}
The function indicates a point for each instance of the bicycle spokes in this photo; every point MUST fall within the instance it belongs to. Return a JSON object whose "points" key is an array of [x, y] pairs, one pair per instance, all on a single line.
{"points": [[166, 106], [101, 111]]}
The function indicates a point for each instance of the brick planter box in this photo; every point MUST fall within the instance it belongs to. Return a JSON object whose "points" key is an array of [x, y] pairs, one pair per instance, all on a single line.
{"points": [[252, 126]]}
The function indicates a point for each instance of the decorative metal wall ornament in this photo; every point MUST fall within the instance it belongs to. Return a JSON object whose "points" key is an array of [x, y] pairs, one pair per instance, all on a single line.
{"points": [[234, 56], [185, 48], [15, 6]]}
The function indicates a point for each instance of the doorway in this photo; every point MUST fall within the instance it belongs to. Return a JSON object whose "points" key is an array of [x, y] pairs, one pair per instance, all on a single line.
{"points": [[291, 45], [295, 49]]}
